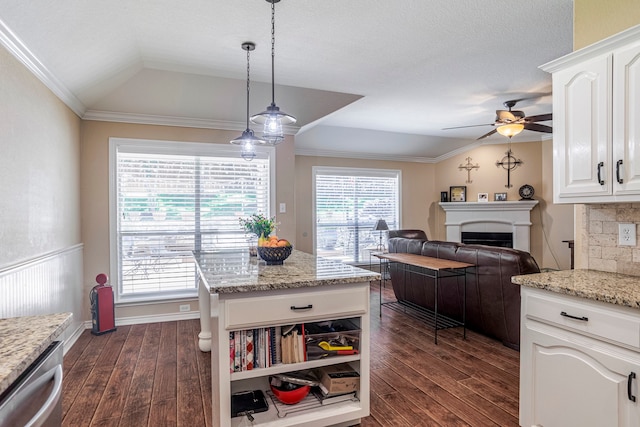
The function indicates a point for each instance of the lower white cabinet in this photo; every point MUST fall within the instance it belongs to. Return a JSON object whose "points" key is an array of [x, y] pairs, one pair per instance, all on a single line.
{"points": [[572, 373]]}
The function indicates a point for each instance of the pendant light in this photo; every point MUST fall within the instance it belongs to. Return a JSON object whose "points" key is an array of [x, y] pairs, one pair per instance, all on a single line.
{"points": [[248, 140], [272, 118]]}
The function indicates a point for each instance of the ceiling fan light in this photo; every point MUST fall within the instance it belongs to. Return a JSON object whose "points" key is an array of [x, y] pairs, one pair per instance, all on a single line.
{"points": [[511, 129]]}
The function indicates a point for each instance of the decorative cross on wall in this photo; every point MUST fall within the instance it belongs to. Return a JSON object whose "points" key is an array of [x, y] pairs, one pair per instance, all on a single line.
{"points": [[468, 167], [509, 162]]}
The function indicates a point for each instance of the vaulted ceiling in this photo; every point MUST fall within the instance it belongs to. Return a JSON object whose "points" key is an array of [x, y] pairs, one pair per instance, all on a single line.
{"points": [[365, 78]]}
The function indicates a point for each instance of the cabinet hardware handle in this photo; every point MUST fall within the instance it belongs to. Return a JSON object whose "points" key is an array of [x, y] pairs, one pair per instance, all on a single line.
{"points": [[620, 180], [630, 378], [308, 307], [600, 165], [564, 313]]}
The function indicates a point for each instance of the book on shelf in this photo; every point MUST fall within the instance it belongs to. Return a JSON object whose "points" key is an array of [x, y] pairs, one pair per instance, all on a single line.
{"points": [[232, 351], [264, 347]]}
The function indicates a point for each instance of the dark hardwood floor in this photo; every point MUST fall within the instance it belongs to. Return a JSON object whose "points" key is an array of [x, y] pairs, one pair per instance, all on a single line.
{"points": [[155, 375]]}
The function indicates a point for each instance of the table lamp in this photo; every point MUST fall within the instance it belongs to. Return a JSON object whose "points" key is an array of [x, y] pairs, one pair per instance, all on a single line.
{"points": [[381, 225]]}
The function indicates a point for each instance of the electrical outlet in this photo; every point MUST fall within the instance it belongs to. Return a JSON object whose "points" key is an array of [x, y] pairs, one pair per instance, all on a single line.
{"points": [[185, 307], [283, 208], [626, 234]]}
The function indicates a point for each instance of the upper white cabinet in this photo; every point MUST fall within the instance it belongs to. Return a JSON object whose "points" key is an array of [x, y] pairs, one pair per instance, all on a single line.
{"points": [[596, 121]]}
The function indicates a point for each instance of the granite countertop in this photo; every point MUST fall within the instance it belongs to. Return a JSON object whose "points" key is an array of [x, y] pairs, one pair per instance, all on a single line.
{"points": [[613, 288], [23, 339], [236, 271]]}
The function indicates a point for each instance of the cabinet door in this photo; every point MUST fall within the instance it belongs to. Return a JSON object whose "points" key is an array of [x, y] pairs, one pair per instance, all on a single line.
{"points": [[581, 130], [626, 120], [575, 385]]}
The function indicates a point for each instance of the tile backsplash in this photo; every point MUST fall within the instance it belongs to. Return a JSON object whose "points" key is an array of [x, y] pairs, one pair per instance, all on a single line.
{"points": [[598, 228]]}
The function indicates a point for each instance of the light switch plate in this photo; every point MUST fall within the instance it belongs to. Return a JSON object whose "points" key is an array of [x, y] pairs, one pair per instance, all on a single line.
{"points": [[626, 234], [283, 208]]}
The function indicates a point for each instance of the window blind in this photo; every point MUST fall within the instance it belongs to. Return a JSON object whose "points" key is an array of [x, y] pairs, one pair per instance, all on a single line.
{"points": [[348, 202], [170, 204]]}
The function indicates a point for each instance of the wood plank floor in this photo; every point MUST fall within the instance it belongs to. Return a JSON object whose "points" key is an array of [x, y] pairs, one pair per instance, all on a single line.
{"points": [[155, 375]]}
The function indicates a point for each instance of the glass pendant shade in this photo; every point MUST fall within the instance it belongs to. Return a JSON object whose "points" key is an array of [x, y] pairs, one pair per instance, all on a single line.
{"points": [[272, 119], [511, 129], [248, 150], [248, 140]]}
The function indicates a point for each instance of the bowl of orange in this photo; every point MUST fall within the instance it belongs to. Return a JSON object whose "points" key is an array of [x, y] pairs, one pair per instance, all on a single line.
{"points": [[274, 250]]}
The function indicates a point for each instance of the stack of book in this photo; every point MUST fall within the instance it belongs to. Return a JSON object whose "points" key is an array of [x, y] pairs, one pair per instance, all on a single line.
{"points": [[328, 398]]}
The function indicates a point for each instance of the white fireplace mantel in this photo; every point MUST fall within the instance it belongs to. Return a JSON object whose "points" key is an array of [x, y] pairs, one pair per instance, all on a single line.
{"points": [[499, 217]]}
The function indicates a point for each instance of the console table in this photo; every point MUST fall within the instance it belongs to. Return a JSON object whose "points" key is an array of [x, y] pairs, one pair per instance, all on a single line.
{"points": [[436, 269]]}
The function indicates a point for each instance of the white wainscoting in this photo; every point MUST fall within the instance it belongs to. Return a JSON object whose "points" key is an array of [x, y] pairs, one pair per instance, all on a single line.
{"points": [[51, 283]]}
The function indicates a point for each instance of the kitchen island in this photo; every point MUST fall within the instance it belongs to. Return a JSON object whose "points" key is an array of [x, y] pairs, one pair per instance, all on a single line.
{"points": [[238, 292], [580, 349]]}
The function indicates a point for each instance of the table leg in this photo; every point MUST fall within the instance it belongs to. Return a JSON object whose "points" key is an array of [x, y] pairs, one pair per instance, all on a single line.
{"points": [[204, 301], [435, 304], [464, 307]]}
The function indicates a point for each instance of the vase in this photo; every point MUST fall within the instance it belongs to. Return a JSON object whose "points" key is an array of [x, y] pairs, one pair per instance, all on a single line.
{"points": [[253, 245]]}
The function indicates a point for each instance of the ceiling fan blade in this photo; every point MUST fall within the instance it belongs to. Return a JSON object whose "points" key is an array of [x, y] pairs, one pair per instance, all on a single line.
{"points": [[539, 118], [470, 126], [487, 134], [538, 127]]}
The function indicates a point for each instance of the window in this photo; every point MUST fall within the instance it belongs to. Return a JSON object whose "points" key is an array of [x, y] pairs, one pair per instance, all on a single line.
{"points": [[348, 202], [171, 198]]}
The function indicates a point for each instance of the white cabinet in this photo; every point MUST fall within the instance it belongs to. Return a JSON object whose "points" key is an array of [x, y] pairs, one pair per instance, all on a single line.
{"points": [[245, 310], [596, 121], [579, 362]]}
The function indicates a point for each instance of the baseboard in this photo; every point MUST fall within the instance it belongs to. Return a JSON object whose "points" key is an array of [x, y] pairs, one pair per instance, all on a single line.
{"points": [[155, 318], [73, 337]]}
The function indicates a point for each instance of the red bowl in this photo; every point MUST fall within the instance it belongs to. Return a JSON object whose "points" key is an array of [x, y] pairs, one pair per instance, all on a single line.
{"points": [[291, 397]]}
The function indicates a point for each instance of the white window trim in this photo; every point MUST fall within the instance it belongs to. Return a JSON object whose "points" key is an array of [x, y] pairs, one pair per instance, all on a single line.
{"points": [[340, 171], [168, 147]]}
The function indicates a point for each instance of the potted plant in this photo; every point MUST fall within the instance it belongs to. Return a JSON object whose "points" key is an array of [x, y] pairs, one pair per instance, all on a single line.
{"points": [[257, 225]]}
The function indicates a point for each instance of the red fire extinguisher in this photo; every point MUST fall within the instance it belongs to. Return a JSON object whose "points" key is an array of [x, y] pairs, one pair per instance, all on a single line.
{"points": [[102, 309]]}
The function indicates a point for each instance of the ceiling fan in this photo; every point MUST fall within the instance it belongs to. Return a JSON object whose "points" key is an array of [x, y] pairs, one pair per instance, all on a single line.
{"points": [[514, 117]]}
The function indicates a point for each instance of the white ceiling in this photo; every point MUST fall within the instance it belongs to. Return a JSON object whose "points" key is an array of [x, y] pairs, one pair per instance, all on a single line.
{"points": [[365, 78]]}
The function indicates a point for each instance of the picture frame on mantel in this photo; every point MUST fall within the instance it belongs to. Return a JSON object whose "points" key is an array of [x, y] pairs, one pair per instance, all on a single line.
{"points": [[458, 193]]}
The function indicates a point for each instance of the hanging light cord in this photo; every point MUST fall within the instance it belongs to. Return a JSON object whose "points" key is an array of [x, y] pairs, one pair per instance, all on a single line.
{"points": [[273, 51], [248, 87]]}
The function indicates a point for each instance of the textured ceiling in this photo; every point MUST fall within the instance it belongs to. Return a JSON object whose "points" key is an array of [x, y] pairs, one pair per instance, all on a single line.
{"points": [[366, 78]]}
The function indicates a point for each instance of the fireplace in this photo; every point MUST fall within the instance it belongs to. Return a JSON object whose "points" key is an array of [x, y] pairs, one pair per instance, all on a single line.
{"points": [[504, 240], [512, 218]]}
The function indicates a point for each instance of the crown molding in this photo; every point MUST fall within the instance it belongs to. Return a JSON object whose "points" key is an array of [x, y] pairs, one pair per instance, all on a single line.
{"points": [[22, 53], [362, 156], [602, 47], [190, 122]]}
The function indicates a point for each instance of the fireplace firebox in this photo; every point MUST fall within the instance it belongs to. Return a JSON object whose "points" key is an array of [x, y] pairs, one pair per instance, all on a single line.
{"points": [[504, 240]]}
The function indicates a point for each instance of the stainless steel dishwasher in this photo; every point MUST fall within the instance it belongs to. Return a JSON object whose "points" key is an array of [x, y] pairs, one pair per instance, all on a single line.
{"points": [[35, 398]]}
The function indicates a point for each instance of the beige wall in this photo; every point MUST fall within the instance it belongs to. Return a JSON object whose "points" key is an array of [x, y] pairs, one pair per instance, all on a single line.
{"points": [[551, 224], [417, 184], [40, 250], [596, 225], [95, 192], [597, 19], [39, 167]]}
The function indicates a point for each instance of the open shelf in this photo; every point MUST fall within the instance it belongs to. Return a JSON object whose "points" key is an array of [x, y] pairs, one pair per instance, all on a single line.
{"points": [[289, 367]]}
